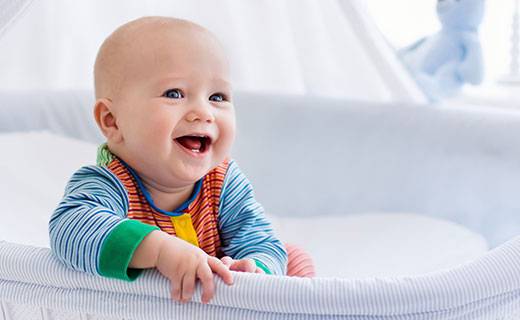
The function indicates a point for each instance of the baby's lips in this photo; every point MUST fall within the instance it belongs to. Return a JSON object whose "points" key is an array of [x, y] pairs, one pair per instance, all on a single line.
{"points": [[195, 142]]}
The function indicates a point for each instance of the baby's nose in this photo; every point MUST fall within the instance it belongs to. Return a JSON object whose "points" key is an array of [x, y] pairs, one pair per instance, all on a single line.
{"points": [[202, 114]]}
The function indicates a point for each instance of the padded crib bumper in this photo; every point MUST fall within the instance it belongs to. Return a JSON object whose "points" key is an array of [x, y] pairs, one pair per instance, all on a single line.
{"points": [[487, 288]]}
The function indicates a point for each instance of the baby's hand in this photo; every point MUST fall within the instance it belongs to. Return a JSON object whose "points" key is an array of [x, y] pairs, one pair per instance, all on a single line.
{"points": [[242, 265], [184, 263]]}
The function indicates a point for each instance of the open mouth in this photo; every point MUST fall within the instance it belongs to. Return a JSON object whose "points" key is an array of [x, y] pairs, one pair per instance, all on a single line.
{"points": [[195, 143]]}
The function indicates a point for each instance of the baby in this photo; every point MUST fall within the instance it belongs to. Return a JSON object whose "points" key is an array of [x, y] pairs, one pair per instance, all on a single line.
{"points": [[165, 193]]}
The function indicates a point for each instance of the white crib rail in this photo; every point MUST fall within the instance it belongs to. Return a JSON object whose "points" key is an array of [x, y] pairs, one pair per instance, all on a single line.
{"points": [[34, 285]]}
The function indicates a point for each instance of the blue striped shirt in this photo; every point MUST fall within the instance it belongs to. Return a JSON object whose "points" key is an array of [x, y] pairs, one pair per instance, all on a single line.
{"points": [[96, 202]]}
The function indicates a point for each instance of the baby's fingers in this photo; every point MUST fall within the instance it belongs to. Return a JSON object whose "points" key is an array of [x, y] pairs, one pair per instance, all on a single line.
{"points": [[228, 261], [188, 286], [244, 265], [177, 287], [206, 280], [219, 268]]}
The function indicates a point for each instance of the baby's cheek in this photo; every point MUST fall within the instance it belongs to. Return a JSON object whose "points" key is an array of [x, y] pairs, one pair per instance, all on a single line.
{"points": [[227, 135], [221, 151], [230, 139]]}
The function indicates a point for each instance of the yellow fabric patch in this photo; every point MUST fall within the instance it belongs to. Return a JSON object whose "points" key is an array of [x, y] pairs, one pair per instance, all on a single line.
{"points": [[184, 229]]}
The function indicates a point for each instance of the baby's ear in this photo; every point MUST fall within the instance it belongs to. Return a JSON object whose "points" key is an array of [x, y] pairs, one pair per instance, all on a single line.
{"points": [[106, 120]]}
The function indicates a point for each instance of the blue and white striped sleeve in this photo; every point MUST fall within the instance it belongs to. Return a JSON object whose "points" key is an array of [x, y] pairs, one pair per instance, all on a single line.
{"points": [[244, 230], [93, 205]]}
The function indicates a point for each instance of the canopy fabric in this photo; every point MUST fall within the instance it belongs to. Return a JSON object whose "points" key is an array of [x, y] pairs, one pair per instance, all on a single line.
{"points": [[10, 11], [324, 48]]}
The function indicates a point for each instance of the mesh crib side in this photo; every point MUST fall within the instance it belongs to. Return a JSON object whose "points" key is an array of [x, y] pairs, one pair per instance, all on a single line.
{"points": [[34, 285], [15, 311]]}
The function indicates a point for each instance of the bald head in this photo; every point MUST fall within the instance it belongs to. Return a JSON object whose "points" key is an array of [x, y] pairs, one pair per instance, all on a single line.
{"points": [[131, 48]]}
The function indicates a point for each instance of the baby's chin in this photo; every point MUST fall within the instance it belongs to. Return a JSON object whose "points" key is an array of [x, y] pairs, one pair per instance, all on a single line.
{"points": [[191, 172]]}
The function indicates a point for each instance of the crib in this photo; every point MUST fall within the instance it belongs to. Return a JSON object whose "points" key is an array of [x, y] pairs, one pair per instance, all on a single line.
{"points": [[384, 164]]}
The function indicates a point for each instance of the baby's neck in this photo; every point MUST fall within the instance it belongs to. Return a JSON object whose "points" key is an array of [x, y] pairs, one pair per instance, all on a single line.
{"points": [[165, 198]]}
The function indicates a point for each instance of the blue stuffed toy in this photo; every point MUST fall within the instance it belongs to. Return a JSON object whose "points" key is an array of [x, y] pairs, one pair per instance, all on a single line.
{"points": [[443, 62]]}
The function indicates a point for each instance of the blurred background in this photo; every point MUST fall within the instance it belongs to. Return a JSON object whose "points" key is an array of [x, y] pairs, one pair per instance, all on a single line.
{"points": [[404, 21], [327, 48]]}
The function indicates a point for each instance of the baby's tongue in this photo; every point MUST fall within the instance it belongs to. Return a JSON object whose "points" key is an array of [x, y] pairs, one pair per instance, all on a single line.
{"points": [[190, 142]]}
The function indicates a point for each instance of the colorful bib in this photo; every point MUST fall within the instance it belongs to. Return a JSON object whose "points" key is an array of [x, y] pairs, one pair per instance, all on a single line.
{"points": [[199, 223]]}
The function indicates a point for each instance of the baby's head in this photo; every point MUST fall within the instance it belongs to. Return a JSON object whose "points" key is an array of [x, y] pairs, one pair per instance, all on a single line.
{"points": [[163, 99]]}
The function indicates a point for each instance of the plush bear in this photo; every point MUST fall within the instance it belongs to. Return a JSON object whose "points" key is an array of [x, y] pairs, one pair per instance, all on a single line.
{"points": [[443, 62]]}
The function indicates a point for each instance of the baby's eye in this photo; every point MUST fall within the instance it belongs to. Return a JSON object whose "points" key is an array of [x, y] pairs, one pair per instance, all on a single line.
{"points": [[217, 97], [173, 94]]}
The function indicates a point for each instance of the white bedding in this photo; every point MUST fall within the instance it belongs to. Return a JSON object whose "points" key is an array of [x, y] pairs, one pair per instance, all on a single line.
{"points": [[36, 166]]}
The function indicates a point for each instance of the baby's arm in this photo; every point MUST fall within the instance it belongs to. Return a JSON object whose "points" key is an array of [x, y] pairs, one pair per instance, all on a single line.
{"points": [[89, 218], [182, 263], [89, 232], [245, 232]]}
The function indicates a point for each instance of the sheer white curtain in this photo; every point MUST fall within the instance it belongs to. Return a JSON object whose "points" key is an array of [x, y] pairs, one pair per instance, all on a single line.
{"points": [[318, 47], [10, 11]]}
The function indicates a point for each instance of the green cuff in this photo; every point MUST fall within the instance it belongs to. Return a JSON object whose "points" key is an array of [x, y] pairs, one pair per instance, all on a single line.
{"points": [[262, 266], [119, 247]]}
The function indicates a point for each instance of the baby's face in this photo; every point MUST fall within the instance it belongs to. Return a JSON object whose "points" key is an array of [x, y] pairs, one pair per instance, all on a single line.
{"points": [[174, 108]]}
